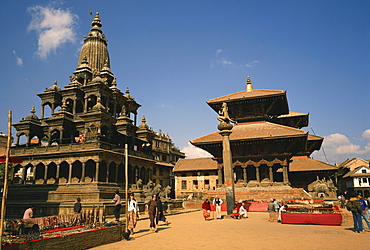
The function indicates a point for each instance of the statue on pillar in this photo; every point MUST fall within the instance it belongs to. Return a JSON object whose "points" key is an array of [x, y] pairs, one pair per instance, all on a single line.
{"points": [[224, 114]]}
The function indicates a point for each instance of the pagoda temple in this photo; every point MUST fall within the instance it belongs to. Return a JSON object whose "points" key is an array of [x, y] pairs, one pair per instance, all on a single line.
{"points": [[79, 150], [265, 137]]}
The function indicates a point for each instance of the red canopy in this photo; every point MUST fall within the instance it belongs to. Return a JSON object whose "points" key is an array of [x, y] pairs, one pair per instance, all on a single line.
{"points": [[11, 159]]}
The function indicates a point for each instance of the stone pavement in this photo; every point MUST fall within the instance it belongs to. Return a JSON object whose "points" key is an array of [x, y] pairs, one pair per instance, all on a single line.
{"points": [[190, 231]]}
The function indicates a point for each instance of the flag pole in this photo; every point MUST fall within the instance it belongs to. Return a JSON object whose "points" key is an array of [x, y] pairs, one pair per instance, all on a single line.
{"points": [[5, 189]]}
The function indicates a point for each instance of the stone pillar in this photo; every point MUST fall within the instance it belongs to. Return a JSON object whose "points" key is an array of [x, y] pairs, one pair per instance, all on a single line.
{"points": [[52, 108], [74, 106], [85, 105], [258, 174], [42, 111], [245, 177], [107, 179], [57, 174], [24, 174], [220, 179], [225, 131], [285, 174], [46, 174], [97, 172], [83, 171], [271, 174], [17, 141], [70, 173], [34, 174]]}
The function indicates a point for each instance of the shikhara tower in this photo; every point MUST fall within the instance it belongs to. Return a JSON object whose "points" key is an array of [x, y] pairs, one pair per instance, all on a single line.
{"points": [[78, 150]]}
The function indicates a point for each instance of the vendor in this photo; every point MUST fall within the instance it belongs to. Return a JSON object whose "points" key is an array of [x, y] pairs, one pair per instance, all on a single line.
{"points": [[28, 214]]}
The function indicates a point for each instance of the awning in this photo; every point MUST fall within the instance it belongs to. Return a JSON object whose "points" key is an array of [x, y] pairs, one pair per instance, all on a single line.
{"points": [[11, 159]]}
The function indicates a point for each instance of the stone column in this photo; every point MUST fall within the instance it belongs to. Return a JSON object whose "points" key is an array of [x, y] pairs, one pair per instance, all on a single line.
{"points": [[85, 105], [24, 174], [34, 174], [107, 179], [83, 170], [52, 108], [17, 141], [245, 177], [225, 131], [271, 174], [285, 174], [220, 179], [70, 173], [258, 174], [46, 174], [97, 172], [42, 111], [74, 106], [57, 174]]}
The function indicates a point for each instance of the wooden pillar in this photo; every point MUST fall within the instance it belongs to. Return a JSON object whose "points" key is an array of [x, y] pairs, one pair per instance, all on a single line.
{"points": [[258, 174]]}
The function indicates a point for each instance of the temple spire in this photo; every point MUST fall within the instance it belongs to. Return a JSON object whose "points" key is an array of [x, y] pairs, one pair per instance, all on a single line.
{"points": [[249, 86]]}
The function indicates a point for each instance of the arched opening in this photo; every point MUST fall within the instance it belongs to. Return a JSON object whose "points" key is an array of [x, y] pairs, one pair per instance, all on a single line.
{"points": [[91, 101], [79, 106], [238, 174], [40, 171], [22, 139], [69, 104], [52, 171], [29, 172], [102, 176], [278, 176], [264, 172], [90, 168], [77, 170], [251, 173], [55, 137], [44, 141], [64, 171], [112, 172], [121, 173]]}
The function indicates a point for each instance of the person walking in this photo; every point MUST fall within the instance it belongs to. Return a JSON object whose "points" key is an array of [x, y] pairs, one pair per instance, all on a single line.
{"points": [[133, 213], [160, 213], [152, 211], [364, 208], [117, 201], [217, 202], [354, 205], [206, 209]]}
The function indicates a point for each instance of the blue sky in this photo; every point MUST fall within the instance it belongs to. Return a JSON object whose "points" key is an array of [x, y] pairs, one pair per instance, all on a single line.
{"points": [[176, 55]]}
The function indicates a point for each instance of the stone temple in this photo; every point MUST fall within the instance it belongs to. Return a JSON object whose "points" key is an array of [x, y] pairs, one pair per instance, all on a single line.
{"points": [[79, 150]]}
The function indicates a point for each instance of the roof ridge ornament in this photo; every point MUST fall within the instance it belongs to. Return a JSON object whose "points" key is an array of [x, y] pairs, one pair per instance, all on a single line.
{"points": [[249, 86]]}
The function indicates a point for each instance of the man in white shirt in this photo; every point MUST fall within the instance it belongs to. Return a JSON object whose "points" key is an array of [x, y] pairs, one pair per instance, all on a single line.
{"points": [[242, 211], [217, 202], [28, 214]]}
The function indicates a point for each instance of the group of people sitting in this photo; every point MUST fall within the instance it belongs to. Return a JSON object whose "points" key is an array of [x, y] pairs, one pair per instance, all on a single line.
{"points": [[240, 210]]}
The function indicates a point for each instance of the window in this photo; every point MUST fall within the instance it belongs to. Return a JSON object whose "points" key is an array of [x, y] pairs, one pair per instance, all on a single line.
{"points": [[364, 171], [164, 157], [364, 180], [183, 184], [195, 184], [206, 182]]}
